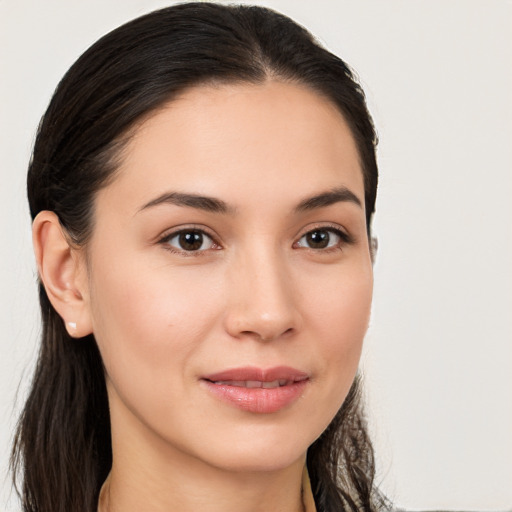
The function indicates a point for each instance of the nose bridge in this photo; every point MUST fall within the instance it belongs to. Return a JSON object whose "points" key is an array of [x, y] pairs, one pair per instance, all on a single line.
{"points": [[262, 301]]}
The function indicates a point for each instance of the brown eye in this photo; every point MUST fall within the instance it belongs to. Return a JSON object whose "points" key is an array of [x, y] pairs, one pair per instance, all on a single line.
{"points": [[321, 239], [318, 239], [190, 240]]}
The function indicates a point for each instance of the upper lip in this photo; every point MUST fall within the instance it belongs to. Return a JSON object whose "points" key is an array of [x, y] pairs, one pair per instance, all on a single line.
{"points": [[251, 373]]}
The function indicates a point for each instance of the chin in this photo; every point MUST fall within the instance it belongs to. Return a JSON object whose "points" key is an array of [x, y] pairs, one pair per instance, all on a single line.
{"points": [[269, 460], [259, 451]]}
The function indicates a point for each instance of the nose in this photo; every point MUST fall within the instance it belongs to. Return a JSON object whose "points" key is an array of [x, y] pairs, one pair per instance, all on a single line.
{"points": [[262, 300]]}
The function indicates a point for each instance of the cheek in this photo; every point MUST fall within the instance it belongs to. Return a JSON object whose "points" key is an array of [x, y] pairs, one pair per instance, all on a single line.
{"points": [[339, 302], [346, 312], [150, 329], [151, 321], [338, 314]]}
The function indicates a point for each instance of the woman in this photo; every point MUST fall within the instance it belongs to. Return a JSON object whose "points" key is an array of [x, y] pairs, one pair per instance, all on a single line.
{"points": [[202, 188]]}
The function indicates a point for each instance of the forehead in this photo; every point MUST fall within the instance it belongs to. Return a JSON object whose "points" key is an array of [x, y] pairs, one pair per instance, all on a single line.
{"points": [[250, 141]]}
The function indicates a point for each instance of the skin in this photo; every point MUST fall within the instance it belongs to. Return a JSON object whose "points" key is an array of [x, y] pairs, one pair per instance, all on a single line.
{"points": [[255, 293]]}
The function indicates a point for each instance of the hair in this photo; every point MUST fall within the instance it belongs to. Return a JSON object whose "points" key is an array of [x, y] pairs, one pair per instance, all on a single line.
{"points": [[62, 448]]}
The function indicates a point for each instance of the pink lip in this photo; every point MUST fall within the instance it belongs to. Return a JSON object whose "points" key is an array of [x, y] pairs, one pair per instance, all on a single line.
{"points": [[230, 386]]}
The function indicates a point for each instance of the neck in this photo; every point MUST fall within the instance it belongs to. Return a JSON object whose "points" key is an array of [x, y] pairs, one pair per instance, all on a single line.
{"points": [[130, 489]]}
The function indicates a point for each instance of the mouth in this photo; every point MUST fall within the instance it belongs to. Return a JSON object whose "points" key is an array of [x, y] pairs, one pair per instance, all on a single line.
{"points": [[258, 390], [255, 383]]}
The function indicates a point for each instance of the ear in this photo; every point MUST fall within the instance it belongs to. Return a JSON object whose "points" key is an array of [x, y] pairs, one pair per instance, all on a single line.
{"points": [[374, 245], [63, 273]]}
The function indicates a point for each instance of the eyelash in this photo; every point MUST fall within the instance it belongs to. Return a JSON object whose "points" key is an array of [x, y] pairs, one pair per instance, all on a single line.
{"points": [[345, 239], [192, 229]]}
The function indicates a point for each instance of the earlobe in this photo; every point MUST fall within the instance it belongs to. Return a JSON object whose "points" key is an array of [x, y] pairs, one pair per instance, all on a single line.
{"points": [[62, 273]]}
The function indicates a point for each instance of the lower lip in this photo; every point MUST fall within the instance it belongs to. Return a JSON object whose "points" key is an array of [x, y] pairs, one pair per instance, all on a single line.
{"points": [[258, 400]]}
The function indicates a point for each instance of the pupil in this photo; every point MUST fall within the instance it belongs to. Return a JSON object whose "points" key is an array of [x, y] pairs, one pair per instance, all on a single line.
{"points": [[318, 239], [191, 240]]}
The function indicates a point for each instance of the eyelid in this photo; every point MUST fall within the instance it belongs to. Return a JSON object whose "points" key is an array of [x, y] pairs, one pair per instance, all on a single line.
{"points": [[347, 238], [167, 235], [172, 232], [327, 226]]}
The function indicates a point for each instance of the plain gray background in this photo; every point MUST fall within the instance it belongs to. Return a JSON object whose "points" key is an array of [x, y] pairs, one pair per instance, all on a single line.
{"points": [[438, 357]]}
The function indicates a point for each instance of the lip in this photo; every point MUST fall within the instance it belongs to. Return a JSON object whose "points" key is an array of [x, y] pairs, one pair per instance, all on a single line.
{"points": [[257, 390]]}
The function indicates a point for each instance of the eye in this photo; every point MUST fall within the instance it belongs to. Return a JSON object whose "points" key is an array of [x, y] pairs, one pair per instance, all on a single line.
{"points": [[322, 238], [189, 240]]}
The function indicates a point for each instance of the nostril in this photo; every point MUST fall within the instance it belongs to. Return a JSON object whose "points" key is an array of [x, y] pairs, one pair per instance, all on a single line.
{"points": [[257, 335], [267, 336]]}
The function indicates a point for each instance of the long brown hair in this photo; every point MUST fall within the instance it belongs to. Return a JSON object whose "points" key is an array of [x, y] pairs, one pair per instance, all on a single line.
{"points": [[62, 449]]}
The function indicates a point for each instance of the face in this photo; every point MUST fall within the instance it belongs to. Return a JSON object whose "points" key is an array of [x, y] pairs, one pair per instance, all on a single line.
{"points": [[229, 278]]}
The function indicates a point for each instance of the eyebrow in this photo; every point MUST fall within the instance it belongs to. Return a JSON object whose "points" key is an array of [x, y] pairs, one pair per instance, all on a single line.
{"points": [[208, 204], [335, 195], [214, 205]]}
